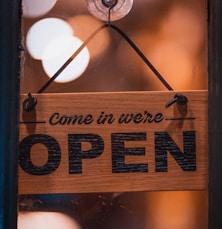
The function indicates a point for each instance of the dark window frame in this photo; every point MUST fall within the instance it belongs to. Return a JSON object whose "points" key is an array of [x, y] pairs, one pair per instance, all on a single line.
{"points": [[10, 12], [215, 114]]}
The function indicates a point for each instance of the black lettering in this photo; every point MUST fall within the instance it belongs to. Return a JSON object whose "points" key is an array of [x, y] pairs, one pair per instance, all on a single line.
{"points": [[119, 152], [158, 117], [77, 118], [145, 117], [64, 120], [125, 118], [103, 118], [164, 143], [138, 118], [148, 118], [88, 119], [76, 155], [54, 154], [56, 117]]}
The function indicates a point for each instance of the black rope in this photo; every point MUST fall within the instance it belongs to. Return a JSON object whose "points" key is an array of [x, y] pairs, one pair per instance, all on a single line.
{"points": [[142, 56], [43, 88], [130, 42]]}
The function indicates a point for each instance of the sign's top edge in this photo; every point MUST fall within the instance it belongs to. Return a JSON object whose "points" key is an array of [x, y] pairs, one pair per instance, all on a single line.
{"points": [[121, 92]]}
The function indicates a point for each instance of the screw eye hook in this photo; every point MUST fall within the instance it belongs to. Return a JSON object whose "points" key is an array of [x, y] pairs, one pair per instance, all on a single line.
{"points": [[109, 3], [29, 103], [179, 99]]}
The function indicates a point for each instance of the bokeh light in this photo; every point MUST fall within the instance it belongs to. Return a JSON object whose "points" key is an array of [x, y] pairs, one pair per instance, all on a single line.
{"points": [[58, 51], [43, 32], [36, 8], [46, 220]]}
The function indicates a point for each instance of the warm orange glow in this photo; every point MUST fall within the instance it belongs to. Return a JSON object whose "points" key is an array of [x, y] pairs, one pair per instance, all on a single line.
{"points": [[173, 210], [84, 26], [176, 48], [173, 62], [173, 36]]}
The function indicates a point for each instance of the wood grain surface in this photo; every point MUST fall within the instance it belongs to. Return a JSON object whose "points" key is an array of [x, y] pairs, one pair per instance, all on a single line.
{"points": [[111, 142]]}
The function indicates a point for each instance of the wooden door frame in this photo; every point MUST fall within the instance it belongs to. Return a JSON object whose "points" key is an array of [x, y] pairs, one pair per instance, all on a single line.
{"points": [[9, 94]]}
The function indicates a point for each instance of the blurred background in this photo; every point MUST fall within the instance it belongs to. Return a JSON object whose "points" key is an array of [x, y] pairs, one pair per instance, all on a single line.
{"points": [[173, 36]]}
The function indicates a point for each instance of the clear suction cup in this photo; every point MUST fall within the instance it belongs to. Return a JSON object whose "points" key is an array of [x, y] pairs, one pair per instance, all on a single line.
{"points": [[117, 9]]}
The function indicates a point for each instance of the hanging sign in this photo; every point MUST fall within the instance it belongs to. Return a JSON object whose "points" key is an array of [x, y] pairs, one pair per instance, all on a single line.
{"points": [[113, 142]]}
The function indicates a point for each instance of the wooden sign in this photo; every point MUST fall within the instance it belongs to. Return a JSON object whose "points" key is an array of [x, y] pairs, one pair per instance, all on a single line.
{"points": [[113, 142]]}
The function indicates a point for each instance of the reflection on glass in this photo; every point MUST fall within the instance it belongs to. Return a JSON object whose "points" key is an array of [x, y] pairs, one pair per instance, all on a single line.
{"points": [[173, 35], [132, 210], [92, 211], [46, 220]]}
